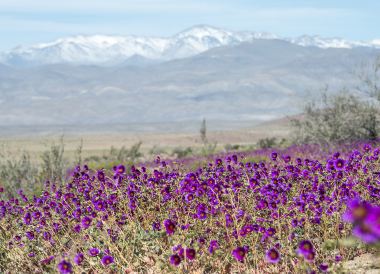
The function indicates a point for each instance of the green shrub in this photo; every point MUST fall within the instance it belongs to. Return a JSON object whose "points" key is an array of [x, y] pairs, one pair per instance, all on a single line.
{"points": [[123, 154], [182, 152], [229, 147], [54, 166], [18, 173], [335, 119]]}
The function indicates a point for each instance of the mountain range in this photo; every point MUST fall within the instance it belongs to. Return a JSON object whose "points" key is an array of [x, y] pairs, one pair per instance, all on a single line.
{"points": [[115, 50], [220, 77]]}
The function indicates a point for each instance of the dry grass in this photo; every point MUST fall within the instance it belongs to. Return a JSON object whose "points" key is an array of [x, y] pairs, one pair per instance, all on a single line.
{"points": [[99, 143]]}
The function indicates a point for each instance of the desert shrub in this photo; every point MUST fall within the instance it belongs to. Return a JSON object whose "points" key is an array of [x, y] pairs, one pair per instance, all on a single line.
{"points": [[208, 148], [124, 155], [93, 158], [267, 142], [78, 153], [180, 152], [369, 75], [195, 165], [247, 147], [109, 165], [270, 142], [17, 172], [230, 147], [203, 131], [157, 150], [336, 118], [346, 116], [54, 165], [116, 156]]}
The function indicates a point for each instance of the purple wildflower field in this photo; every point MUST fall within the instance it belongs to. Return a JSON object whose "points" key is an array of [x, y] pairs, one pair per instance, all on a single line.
{"points": [[299, 210]]}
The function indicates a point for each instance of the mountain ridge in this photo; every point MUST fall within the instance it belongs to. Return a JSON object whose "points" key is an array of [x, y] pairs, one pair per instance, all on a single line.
{"points": [[260, 80], [107, 50]]}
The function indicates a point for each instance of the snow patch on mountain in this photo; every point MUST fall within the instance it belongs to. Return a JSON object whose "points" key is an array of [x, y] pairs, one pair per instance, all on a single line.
{"points": [[317, 41]]}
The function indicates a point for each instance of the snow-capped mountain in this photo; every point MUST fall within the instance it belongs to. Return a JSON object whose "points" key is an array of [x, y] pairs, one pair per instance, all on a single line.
{"points": [[317, 41], [111, 50], [266, 78]]}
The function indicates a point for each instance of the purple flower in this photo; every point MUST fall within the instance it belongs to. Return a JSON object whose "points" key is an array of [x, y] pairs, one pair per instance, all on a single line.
{"points": [[309, 256], [132, 204], [36, 215], [46, 235], [184, 227], [356, 211], [175, 259], [99, 224], [86, 222], [213, 246], [120, 169], [248, 228], [107, 251], [218, 162], [239, 253], [286, 158], [27, 218], [367, 147], [366, 220], [177, 248], [156, 226], [201, 241], [229, 220], [169, 226], [76, 228], [65, 267], [305, 247], [273, 256], [270, 232], [339, 164], [373, 220], [101, 175], [323, 267], [93, 252], [202, 215], [107, 259], [190, 253], [47, 260], [364, 232], [79, 258], [99, 205], [294, 223], [189, 197], [274, 156], [77, 213], [30, 235]]}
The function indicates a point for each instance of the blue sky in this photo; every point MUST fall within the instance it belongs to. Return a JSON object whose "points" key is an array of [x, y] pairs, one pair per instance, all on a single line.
{"points": [[24, 22]]}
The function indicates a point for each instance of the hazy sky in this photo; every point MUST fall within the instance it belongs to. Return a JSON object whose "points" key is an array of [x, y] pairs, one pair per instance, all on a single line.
{"points": [[24, 22]]}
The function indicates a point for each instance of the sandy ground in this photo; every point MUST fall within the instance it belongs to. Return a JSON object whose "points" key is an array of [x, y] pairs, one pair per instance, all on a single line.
{"points": [[363, 264], [97, 143]]}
